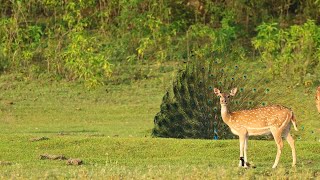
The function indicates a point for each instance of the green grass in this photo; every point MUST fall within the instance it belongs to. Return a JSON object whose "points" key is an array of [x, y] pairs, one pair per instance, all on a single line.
{"points": [[51, 107], [109, 129], [139, 157]]}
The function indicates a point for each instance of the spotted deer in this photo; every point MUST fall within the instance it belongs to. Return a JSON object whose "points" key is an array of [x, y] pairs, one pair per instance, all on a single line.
{"points": [[260, 121], [318, 99]]}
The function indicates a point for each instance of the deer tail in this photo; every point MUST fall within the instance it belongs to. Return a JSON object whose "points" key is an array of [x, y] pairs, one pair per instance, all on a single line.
{"points": [[294, 122]]}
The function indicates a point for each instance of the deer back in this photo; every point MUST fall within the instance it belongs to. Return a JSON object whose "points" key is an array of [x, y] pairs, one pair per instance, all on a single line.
{"points": [[270, 116]]}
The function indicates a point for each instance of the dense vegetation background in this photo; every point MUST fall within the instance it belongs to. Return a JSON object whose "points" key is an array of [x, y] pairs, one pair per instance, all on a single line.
{"points": [[94, 40]]}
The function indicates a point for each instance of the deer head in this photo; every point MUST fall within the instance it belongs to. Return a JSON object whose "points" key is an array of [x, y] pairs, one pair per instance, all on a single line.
{"points": [[224, 97]]}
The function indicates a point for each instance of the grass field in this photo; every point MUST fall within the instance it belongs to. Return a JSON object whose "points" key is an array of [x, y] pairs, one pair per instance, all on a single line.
{"points": [[109, 129]]}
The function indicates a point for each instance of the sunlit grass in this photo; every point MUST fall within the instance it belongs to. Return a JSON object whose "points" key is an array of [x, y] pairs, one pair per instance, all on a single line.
{"points": [[150, 158]]}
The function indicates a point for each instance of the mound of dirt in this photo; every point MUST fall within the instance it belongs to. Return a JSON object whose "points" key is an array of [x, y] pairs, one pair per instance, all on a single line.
{"points": [[52, 157]]}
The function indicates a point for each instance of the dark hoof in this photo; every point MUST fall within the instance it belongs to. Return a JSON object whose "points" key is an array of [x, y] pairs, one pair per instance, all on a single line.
{"points": [[250, 165]]}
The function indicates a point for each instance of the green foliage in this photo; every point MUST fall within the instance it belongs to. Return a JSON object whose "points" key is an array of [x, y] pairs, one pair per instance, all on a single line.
{"points": [[291, 53], [204, 41], [63, 47], [83, 61], [192, 110], [37, 36]]}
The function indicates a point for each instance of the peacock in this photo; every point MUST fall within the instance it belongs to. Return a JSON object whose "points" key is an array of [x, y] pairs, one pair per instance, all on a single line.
{"points": [[191, 110]]}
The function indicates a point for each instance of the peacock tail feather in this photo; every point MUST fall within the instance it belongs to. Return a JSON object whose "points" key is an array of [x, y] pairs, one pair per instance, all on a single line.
{"points": [[191, 109]]}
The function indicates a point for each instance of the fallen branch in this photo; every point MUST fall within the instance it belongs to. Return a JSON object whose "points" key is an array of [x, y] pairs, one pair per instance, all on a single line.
{"points": [[39, 139]]}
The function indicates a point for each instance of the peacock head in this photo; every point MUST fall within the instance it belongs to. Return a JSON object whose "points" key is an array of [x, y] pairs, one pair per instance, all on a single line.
{"points": [[225, 97]]}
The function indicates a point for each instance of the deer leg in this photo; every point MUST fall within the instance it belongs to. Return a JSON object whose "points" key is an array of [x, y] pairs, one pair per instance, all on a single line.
{"points": [[241, 162], [242, 139], [245, 149], [293, 149], [278, 139]]}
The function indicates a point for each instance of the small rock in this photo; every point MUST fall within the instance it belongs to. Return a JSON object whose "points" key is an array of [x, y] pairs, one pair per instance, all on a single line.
{"points": [[74, 162], [63, 133], [309, 162], [250, 165], [9, 102]]}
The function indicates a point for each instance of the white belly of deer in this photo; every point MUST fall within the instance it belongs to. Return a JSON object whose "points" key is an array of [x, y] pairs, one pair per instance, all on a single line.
{"points": [[258, 131], [254, 131]]}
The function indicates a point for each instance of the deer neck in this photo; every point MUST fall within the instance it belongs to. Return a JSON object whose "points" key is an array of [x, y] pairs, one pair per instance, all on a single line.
{"points": [[225, 114]]}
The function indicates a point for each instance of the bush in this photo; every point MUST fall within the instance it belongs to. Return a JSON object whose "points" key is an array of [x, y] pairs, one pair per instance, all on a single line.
{"points": [[292, 53]]}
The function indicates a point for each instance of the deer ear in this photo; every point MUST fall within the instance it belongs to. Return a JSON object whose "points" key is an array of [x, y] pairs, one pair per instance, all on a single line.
{"points": [[233, 92], [216, 91]]}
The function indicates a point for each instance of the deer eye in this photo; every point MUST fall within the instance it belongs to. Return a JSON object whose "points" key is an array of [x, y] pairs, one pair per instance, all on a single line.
{"points": [[228, 96]]}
